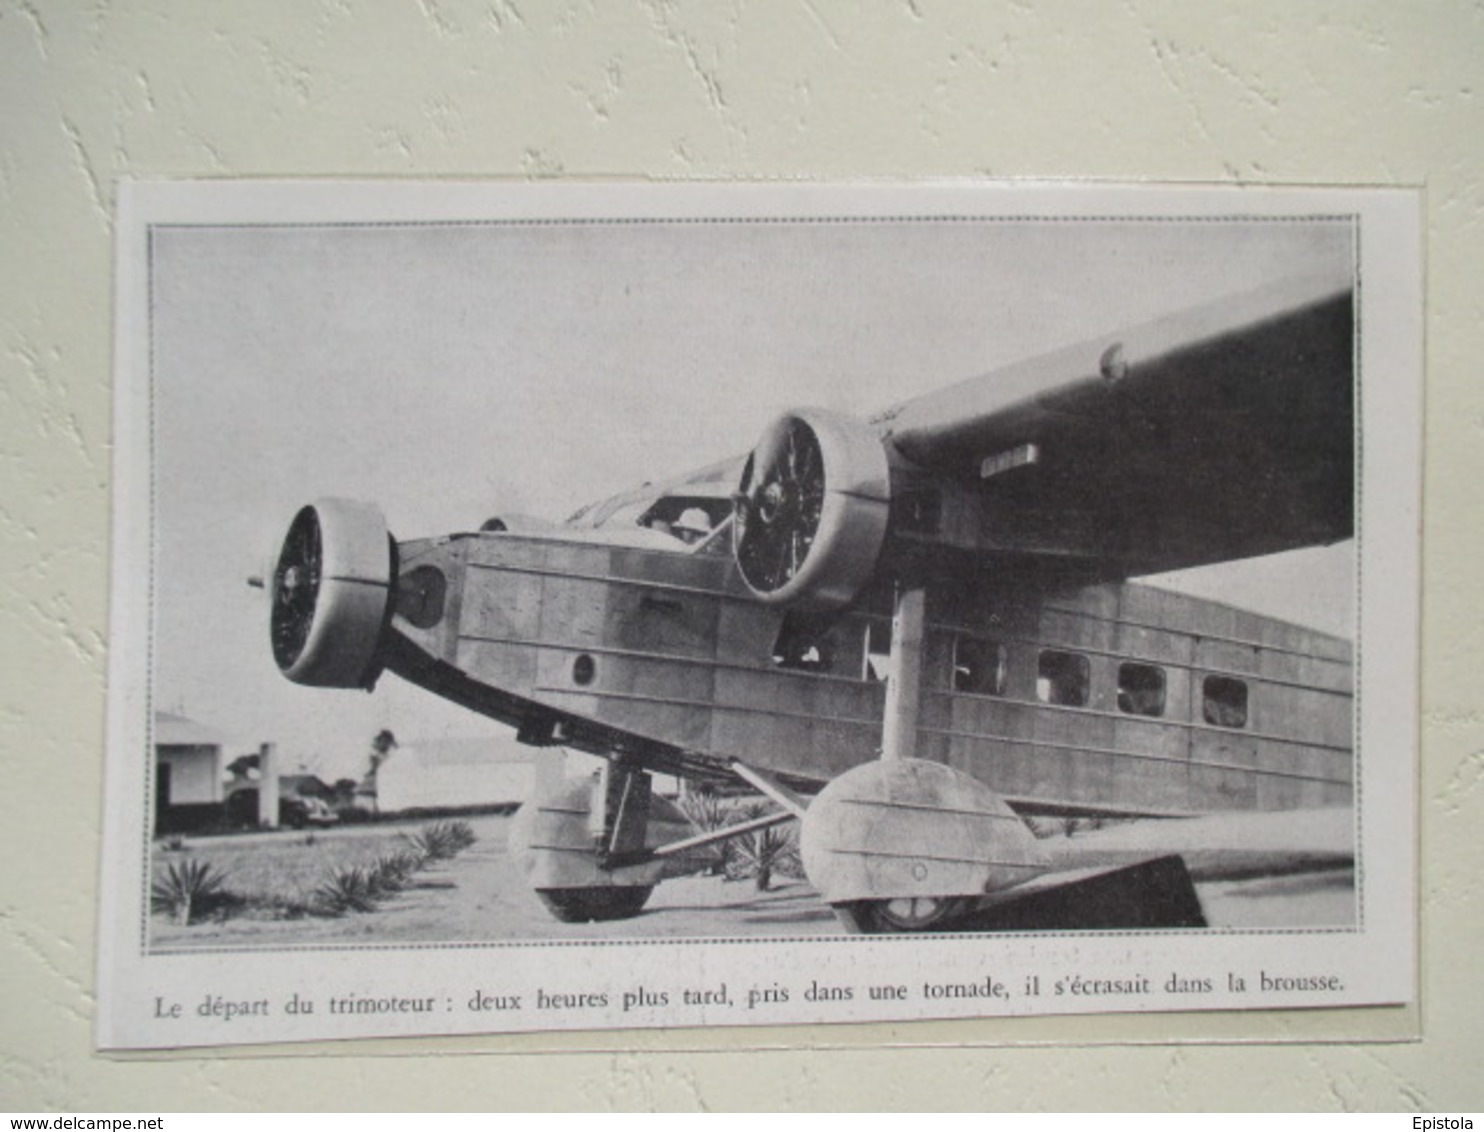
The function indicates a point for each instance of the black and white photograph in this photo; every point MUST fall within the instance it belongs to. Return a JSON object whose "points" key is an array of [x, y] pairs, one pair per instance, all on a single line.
{"points": [[618, 606]]}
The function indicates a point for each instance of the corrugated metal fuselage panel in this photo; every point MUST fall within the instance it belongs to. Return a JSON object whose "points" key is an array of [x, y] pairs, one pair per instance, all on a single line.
{"points": [[667, 647]]}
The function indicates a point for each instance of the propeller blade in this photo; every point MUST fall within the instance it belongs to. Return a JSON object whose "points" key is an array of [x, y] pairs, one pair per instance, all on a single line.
{"points": [[765, 456]]}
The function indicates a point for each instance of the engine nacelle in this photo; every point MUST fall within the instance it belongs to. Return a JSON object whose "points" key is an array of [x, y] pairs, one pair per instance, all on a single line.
{"points": [[812, 510], [331, 594]]}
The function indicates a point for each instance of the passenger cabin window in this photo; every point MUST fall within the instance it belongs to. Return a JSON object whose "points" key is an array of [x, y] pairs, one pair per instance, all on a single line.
{"points": [[1062, 679], [1141, 689], [1224, 701], [802, 645], [978, 666], [877, 664]]}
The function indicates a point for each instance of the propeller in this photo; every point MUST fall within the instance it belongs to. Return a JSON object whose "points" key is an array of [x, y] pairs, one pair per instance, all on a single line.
{"points": [[331, 594], [779, 505], [296, 582]]}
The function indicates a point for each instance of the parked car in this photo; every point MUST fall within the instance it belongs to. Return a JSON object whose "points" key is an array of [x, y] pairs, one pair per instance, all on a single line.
{"points": [[299, 811]]}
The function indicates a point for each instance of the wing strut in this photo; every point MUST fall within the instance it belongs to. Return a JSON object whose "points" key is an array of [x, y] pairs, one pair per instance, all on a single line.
{"points": [[711, 837], [765, 784]]}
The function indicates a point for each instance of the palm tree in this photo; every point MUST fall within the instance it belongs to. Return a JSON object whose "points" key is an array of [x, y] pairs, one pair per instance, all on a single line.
{"points": [[763, 852], [382, 746]]}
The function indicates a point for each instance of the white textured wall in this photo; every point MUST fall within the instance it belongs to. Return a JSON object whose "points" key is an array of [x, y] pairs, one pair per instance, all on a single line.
{"points": [[1291, 91]]}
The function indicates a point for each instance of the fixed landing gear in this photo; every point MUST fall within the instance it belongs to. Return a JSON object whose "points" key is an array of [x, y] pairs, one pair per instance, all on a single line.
{"points": [[904, 844], [584, 846], [907, 845]]}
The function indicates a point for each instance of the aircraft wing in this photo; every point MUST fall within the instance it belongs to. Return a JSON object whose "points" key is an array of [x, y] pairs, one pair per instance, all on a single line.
{"points": [[1220, 846], [1222, 432]]}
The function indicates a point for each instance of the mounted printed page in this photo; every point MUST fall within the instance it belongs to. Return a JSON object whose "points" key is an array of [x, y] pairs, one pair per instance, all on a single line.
{"points": [[583, 607]]}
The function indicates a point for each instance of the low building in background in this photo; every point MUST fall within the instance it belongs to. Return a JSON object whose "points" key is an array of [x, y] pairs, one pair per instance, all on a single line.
{"points": [[188, 775]]}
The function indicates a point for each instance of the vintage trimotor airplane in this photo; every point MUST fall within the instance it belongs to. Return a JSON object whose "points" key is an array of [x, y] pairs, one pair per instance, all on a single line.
{"points": [[910, 631]]}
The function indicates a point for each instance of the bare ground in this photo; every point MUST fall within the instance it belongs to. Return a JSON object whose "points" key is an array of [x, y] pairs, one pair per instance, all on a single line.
{"points": [[479, 897]]}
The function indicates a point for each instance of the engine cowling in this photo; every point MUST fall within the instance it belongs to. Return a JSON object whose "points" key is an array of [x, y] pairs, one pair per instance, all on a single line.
{"points": [[811, 511], [331, 592]]}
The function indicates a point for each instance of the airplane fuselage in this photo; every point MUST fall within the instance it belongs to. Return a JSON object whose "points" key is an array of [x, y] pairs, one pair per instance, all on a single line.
{"points": [[1110, 698]]}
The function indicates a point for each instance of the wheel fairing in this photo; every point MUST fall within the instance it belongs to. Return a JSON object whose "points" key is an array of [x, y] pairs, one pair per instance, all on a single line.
{"points": [[908, 828]]}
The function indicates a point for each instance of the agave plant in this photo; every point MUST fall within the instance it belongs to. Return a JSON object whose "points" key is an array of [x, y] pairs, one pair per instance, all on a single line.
{"points": [[346, 890], [763, 852], [431, 843], [707, 811], [442, 840], [185, 888], [390, 873]]}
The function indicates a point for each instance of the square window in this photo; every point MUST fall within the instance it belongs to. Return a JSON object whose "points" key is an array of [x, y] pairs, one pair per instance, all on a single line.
{"points": [[1141, 689], [978, 666], [1062, 679], [803, 645], [1224, 701]]}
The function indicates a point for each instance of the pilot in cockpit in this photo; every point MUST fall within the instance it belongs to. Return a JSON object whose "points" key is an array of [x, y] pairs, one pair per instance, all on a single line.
{"points": [[692, 526]]}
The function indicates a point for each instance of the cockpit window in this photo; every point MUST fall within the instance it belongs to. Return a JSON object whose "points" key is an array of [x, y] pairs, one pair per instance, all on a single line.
{"points": [[690, 520]]}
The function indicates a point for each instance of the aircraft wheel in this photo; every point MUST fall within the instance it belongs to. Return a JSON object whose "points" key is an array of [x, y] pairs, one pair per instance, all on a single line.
{"points": [[900, 916], [584, 905]]}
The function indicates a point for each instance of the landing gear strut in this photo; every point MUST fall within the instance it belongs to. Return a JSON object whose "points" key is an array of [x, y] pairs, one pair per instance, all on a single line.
{"points": [[584, 845], [903, 844]]}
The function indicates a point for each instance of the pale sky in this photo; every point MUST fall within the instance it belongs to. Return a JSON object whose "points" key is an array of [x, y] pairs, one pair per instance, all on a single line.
{"points": [[449, 373]]}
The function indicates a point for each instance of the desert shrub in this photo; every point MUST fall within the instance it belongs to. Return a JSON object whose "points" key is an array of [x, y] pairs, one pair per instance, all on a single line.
{"points": [[441, 840], [705, 809], [763, 853], [430, 843], [188, 888], [758, 856], [346, 890], [708, 811], [391, 872]]}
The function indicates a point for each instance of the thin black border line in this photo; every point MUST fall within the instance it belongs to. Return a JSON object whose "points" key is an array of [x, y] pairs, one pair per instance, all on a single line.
{"points": [[1358, 471], [655, 941], [1352, 218], [152, 764]]}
